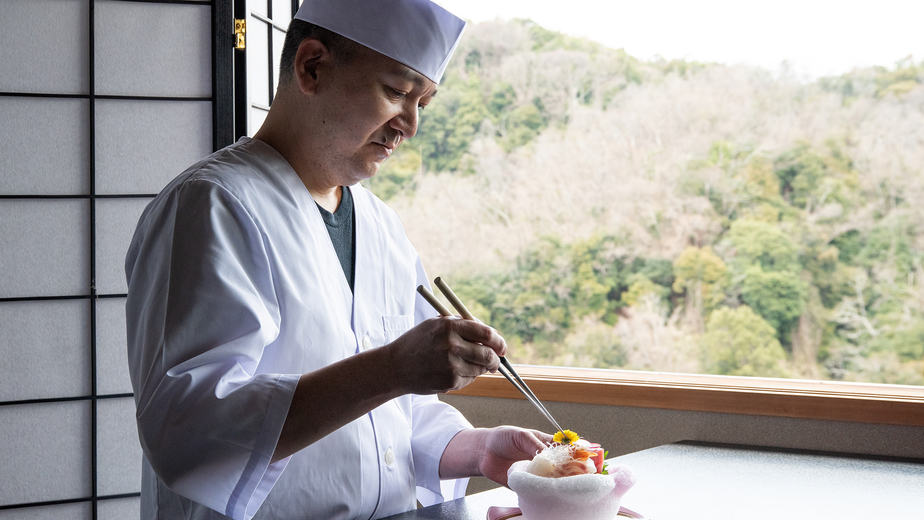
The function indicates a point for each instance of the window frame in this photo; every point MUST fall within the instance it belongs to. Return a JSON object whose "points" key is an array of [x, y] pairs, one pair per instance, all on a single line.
{"points": [[794, 398]]}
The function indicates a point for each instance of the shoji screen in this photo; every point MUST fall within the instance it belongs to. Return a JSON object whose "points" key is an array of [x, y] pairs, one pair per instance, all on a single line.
{"points": [[101, 103]]}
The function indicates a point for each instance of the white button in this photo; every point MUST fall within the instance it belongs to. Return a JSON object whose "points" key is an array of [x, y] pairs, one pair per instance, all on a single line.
{"points": [[390, 457], [367, 343]]}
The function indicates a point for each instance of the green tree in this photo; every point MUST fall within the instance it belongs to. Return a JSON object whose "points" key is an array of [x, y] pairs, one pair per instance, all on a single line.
{"points": [[698, 264], [738, 342], [448, 126], [890, 243], [502, 97], [521, 126], [778, 297], [698, 270], [809, 178], [594, 344], [550, 287], [905, 338], [397, 173], [763, 244], [699, 274], [639, 286], [903, 79], [833, 277]]}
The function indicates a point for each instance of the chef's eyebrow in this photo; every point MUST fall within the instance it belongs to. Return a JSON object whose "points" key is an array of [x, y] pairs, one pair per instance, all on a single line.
{"points": [[419, 80]]}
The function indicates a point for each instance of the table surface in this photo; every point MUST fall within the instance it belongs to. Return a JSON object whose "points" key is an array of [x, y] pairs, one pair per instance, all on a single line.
{"points": [[690, 482]]}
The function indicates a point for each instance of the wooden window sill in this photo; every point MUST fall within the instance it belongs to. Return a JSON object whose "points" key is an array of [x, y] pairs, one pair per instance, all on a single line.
{"points": [[827, 400]]}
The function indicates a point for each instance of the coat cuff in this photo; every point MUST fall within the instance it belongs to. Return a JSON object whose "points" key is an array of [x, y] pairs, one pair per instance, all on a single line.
{"points": [[260, 475]]}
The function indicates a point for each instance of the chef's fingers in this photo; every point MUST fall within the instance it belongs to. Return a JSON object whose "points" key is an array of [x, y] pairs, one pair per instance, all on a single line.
{"points": [[535, 442], [481, 356], [476, 332], [542, 437]]}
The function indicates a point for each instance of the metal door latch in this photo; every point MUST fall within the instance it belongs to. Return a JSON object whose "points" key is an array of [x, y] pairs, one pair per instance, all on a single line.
{"points": [[240, 28]]}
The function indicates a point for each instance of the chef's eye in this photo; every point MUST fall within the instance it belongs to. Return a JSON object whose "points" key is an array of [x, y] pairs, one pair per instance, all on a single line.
{"points": [[395, 93]]}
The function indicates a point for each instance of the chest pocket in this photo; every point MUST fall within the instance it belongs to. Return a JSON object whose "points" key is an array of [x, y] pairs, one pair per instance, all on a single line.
{"points": [[395, 326], [392, 327]]}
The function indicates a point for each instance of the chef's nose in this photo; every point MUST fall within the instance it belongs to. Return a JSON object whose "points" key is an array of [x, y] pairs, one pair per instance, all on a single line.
{"points": [[406, 122]]}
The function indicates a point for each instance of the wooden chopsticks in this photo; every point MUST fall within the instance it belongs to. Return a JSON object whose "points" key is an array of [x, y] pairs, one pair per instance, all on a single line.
{"points": [[506, 369]]}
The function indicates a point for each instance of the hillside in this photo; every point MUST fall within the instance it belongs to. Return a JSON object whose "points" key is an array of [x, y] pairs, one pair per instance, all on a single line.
{"points": [[673, 216]]}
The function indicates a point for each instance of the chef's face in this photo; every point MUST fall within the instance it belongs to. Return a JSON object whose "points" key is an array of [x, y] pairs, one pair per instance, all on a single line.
{"points": [[372, 105]]}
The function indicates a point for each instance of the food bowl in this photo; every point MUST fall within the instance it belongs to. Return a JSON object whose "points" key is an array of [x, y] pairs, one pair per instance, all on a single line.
{"points": [[593, 496]]}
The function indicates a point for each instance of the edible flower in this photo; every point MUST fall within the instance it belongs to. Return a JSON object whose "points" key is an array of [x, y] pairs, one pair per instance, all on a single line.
{"points": [[566, 437]]}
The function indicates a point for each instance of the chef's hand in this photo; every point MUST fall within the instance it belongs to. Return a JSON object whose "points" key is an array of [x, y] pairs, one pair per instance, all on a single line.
{"points": [[445, 353], [490, 452]]}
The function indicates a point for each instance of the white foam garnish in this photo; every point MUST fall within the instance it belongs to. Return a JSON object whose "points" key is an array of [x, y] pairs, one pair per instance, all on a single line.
{"points": [[558, 460], [558, 454]]}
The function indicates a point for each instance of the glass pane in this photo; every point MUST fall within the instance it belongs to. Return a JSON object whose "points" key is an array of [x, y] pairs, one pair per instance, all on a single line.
{"points": [[258, 6], [111, 356], [45, 248], [707, 216], [282, 12], [257, 116], [33, 61], [49, 153], [45, 346], [118, 448], [143, 145], [153, 49], [279, 38], [115, 224], [79, 511], [257, 61], [45, 452], [118, 509]]}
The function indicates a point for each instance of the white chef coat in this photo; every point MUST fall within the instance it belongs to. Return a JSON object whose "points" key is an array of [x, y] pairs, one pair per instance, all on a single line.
{"points": [[235, 290]]}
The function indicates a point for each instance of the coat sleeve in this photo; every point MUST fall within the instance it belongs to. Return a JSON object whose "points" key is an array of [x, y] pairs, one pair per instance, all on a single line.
{"points": [[201, 310], [434, 424]]}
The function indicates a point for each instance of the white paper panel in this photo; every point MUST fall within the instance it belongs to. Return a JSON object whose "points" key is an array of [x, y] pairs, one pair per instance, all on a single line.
{"points": [[142, 145], [45, 347], [49, 153], [118, 449], [45, 248], [43, 46], [79, 511], [257, 61], [257, 116], [153, 49], [115, 224], [282, 12], [118, 509], [111, 355], [279, 39], [258, 6], [47, 448]]}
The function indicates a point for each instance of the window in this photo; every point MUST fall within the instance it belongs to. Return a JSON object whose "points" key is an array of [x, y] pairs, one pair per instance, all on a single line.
{"points": [[671, 214], [267, 22], [675, 215]]}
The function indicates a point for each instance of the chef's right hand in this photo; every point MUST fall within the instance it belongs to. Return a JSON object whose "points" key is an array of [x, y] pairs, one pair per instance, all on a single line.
{"points": [[445, 353]]}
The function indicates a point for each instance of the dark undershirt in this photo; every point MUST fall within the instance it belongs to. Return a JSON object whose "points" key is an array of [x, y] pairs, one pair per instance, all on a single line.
{"points": [[340, 228]]}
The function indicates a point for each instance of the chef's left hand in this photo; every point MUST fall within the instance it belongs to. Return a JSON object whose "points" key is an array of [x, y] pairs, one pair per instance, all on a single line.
{"points": [[490, 452], [507, 444]]}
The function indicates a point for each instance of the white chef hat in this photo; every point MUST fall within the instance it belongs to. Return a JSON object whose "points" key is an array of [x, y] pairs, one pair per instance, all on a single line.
{"points": [[417, 33]]}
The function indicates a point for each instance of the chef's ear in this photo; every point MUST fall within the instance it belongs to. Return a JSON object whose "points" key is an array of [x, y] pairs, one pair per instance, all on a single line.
{"points": [[312, 57]]}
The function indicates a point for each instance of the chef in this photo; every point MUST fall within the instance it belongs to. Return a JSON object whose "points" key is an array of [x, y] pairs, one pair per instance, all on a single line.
{"points": [[282, 362]]}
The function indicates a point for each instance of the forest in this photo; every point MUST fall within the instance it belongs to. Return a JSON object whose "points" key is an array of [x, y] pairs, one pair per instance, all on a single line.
{"points": [[602, 211]]}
